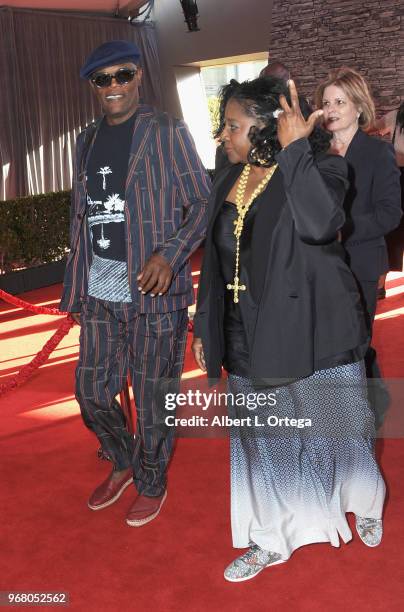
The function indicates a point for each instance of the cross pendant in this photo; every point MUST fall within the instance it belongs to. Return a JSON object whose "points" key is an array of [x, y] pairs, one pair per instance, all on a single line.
{"points": [[236, 288]]}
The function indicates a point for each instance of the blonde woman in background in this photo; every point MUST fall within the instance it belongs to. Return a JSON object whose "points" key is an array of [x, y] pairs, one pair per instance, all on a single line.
{"points": [[372, 204]]}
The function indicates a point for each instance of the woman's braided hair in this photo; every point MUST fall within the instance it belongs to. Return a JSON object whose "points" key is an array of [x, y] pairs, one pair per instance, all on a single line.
{"points": [[260, 98]]}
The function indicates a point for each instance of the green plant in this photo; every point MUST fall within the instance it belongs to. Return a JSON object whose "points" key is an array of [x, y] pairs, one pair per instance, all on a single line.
{"points": [[34, 230], [213, 107]]}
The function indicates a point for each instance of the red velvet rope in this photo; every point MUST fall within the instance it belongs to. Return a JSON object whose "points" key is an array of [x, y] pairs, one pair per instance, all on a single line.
{"points": [[42, 356], [64, 327], [12, 299], [26, 371]]}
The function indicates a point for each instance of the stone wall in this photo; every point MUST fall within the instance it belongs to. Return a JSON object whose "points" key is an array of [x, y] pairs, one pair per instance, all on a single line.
{"points": [[313, 37]]}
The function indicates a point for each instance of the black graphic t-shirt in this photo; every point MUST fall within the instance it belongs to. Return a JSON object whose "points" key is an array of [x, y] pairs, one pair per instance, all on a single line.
{"points": [[106, 177]]}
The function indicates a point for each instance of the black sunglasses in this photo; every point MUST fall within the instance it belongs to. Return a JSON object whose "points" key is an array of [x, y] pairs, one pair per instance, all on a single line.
{"points": [[122, 77]]}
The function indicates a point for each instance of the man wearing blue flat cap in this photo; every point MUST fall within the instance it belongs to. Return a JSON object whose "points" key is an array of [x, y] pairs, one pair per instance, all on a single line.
{"points": [[138, 212]]}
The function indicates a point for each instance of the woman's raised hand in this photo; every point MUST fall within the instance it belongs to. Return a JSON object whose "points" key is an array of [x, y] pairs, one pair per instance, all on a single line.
{"points": [[291, 123]]}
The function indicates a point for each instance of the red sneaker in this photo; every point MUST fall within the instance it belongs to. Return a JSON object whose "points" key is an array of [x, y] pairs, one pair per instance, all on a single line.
{"points": [[144, 509], [110, 490]]}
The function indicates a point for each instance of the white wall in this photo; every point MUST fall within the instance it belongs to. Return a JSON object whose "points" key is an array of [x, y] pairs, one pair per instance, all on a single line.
{"points": [[227, 28], [195, 111]]}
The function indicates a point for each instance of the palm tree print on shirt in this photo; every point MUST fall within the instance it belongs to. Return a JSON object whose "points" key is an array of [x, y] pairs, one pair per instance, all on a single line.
{"points": [[114, 203], [104, 171], [103, 242]]}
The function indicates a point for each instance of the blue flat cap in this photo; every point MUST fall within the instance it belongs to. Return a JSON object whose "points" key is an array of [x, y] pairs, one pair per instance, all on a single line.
{"points": [[108, 54]]}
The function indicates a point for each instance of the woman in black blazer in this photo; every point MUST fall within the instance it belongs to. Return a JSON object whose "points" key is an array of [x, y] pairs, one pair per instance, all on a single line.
{"points": [[279, 308], [373, 201]]}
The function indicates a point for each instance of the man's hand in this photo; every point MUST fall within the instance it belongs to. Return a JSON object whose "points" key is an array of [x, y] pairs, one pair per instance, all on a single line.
{"points": [[76, 317], [156, 276], [291, 123], [199, 356]]}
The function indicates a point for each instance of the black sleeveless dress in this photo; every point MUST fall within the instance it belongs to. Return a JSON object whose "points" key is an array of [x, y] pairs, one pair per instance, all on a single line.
{"points": [[236, 360]]}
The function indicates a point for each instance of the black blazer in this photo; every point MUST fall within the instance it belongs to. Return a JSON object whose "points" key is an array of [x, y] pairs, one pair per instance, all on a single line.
{"points": [[372, 204], [302, 311]]}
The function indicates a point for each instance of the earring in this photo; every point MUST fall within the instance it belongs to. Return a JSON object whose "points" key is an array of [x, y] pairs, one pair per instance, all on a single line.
{"points": [[262, 158], [253, 155]]}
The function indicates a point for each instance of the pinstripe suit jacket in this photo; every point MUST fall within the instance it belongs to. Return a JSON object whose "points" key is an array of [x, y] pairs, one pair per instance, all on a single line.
{"points": [[165, 210]]}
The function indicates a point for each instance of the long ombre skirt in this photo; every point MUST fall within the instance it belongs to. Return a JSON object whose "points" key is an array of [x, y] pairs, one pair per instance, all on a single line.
{"points": [[292, 484]]}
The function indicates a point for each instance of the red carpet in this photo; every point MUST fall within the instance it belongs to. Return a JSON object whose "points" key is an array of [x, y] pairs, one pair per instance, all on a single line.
{"points": [[52, 542]]}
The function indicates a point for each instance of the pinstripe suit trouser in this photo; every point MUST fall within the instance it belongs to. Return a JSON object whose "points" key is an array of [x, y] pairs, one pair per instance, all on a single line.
{"points": [[115, 340]]}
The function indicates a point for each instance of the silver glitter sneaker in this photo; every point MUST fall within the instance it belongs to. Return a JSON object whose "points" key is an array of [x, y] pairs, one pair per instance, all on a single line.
{"points": [[251, 563], [370, 530]]}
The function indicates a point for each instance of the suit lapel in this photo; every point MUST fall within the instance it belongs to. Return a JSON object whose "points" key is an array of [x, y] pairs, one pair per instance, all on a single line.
{"points": [[354, 145], [90, 135], [141, 133], [221, 188], [355, 157], [84, 155], [271, 204]]}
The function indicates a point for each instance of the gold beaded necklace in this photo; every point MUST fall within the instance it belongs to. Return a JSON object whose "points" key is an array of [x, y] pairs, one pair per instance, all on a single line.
{"points": [[242, 210]]}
